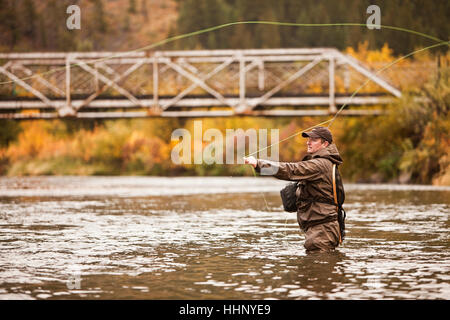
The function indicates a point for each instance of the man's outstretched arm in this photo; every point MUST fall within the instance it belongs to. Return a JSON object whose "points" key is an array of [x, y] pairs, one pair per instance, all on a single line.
{"points": [[302, 170]]}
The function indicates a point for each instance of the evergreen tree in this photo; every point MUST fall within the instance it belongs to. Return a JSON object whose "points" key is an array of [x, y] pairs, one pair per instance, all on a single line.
{"points": [[288, 11], [99, 17], [42, 33], [144, 10], [58, 37], [30, 18], [186, 23], [216, 12], [51, 26], [267, 35], [132, 6], [9, 23]]}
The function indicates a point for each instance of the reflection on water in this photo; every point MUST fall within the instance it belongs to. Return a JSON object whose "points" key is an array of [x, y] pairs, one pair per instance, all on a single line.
{"points": [[214, 238]]}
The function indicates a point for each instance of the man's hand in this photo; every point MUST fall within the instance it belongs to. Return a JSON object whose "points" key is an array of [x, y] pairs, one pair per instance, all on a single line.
{"points": [[251, 160]]}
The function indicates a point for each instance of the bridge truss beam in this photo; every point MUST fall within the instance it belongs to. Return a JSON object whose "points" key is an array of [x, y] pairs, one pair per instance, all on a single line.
{"points": [[201, 83]]}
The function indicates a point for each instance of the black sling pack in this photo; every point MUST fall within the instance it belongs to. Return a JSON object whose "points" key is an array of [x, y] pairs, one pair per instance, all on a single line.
{"points": [[289, 198]]}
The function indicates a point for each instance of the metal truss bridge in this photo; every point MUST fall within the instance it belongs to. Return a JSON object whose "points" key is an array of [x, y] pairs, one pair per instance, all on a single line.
{"points": [[200, 83]]}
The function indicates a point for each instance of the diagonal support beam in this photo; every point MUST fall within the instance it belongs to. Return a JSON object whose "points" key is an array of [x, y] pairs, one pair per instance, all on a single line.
{"points": [[101, 77], [27, 87], [200, 74], [118, 78], [274, 90], [195, 85], [7, 65], [247, 68], [369, 74], [187, 66], [196, 80], [41, 80], [107, 68]]}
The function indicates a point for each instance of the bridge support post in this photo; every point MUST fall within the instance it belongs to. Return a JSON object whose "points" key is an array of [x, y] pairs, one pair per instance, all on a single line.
{"points": [[242, 75], [68, 100], [67, 109], [260, 75], [331, 68], [156, 109]]}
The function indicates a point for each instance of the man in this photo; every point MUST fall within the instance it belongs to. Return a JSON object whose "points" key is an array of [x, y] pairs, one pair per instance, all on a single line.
{"points": [[316, 213]]}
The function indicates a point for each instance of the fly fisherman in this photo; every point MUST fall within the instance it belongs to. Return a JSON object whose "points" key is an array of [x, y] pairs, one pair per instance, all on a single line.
{"points": [[316, 213]]}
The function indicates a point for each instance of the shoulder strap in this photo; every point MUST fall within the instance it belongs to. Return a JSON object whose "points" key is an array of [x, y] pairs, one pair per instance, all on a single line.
{"points": [[335, 198], [334, 184]]}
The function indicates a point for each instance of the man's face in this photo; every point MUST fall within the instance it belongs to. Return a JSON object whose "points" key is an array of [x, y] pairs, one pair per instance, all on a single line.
{"points": [[315, 144]]}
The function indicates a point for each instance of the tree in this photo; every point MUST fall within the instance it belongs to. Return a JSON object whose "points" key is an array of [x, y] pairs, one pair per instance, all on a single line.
{"points": [[185, 23], [99, 17], [216, 12], [144, 10], [9, 23], [267, 36], [30, 16], [132, 6]]}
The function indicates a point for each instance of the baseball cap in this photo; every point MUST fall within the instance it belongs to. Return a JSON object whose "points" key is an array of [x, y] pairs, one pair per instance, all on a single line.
{"points": [[319, 132]]}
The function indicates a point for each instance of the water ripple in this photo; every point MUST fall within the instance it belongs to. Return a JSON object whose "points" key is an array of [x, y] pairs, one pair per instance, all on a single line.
{"points": [[208, 238]]}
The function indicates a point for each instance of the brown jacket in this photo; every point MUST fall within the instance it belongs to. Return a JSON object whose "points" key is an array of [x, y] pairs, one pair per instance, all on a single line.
{"points": [[314, 173]]}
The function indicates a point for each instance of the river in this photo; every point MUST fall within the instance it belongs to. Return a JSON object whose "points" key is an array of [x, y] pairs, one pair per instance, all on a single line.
{"points": [[214, 238]]}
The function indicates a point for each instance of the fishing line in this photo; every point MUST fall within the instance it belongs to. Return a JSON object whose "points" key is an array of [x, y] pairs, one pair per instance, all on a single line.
{"points": [[254, 174], [214, 28], [291, 136], [384, 68], [346, 104], [352, 96]]}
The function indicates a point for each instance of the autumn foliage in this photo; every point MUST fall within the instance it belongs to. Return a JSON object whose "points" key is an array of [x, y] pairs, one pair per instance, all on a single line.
{"points": [[410, 144]]}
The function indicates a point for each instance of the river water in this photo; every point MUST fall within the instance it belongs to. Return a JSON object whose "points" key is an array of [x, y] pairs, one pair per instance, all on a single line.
{"points": [[214, 238]]}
